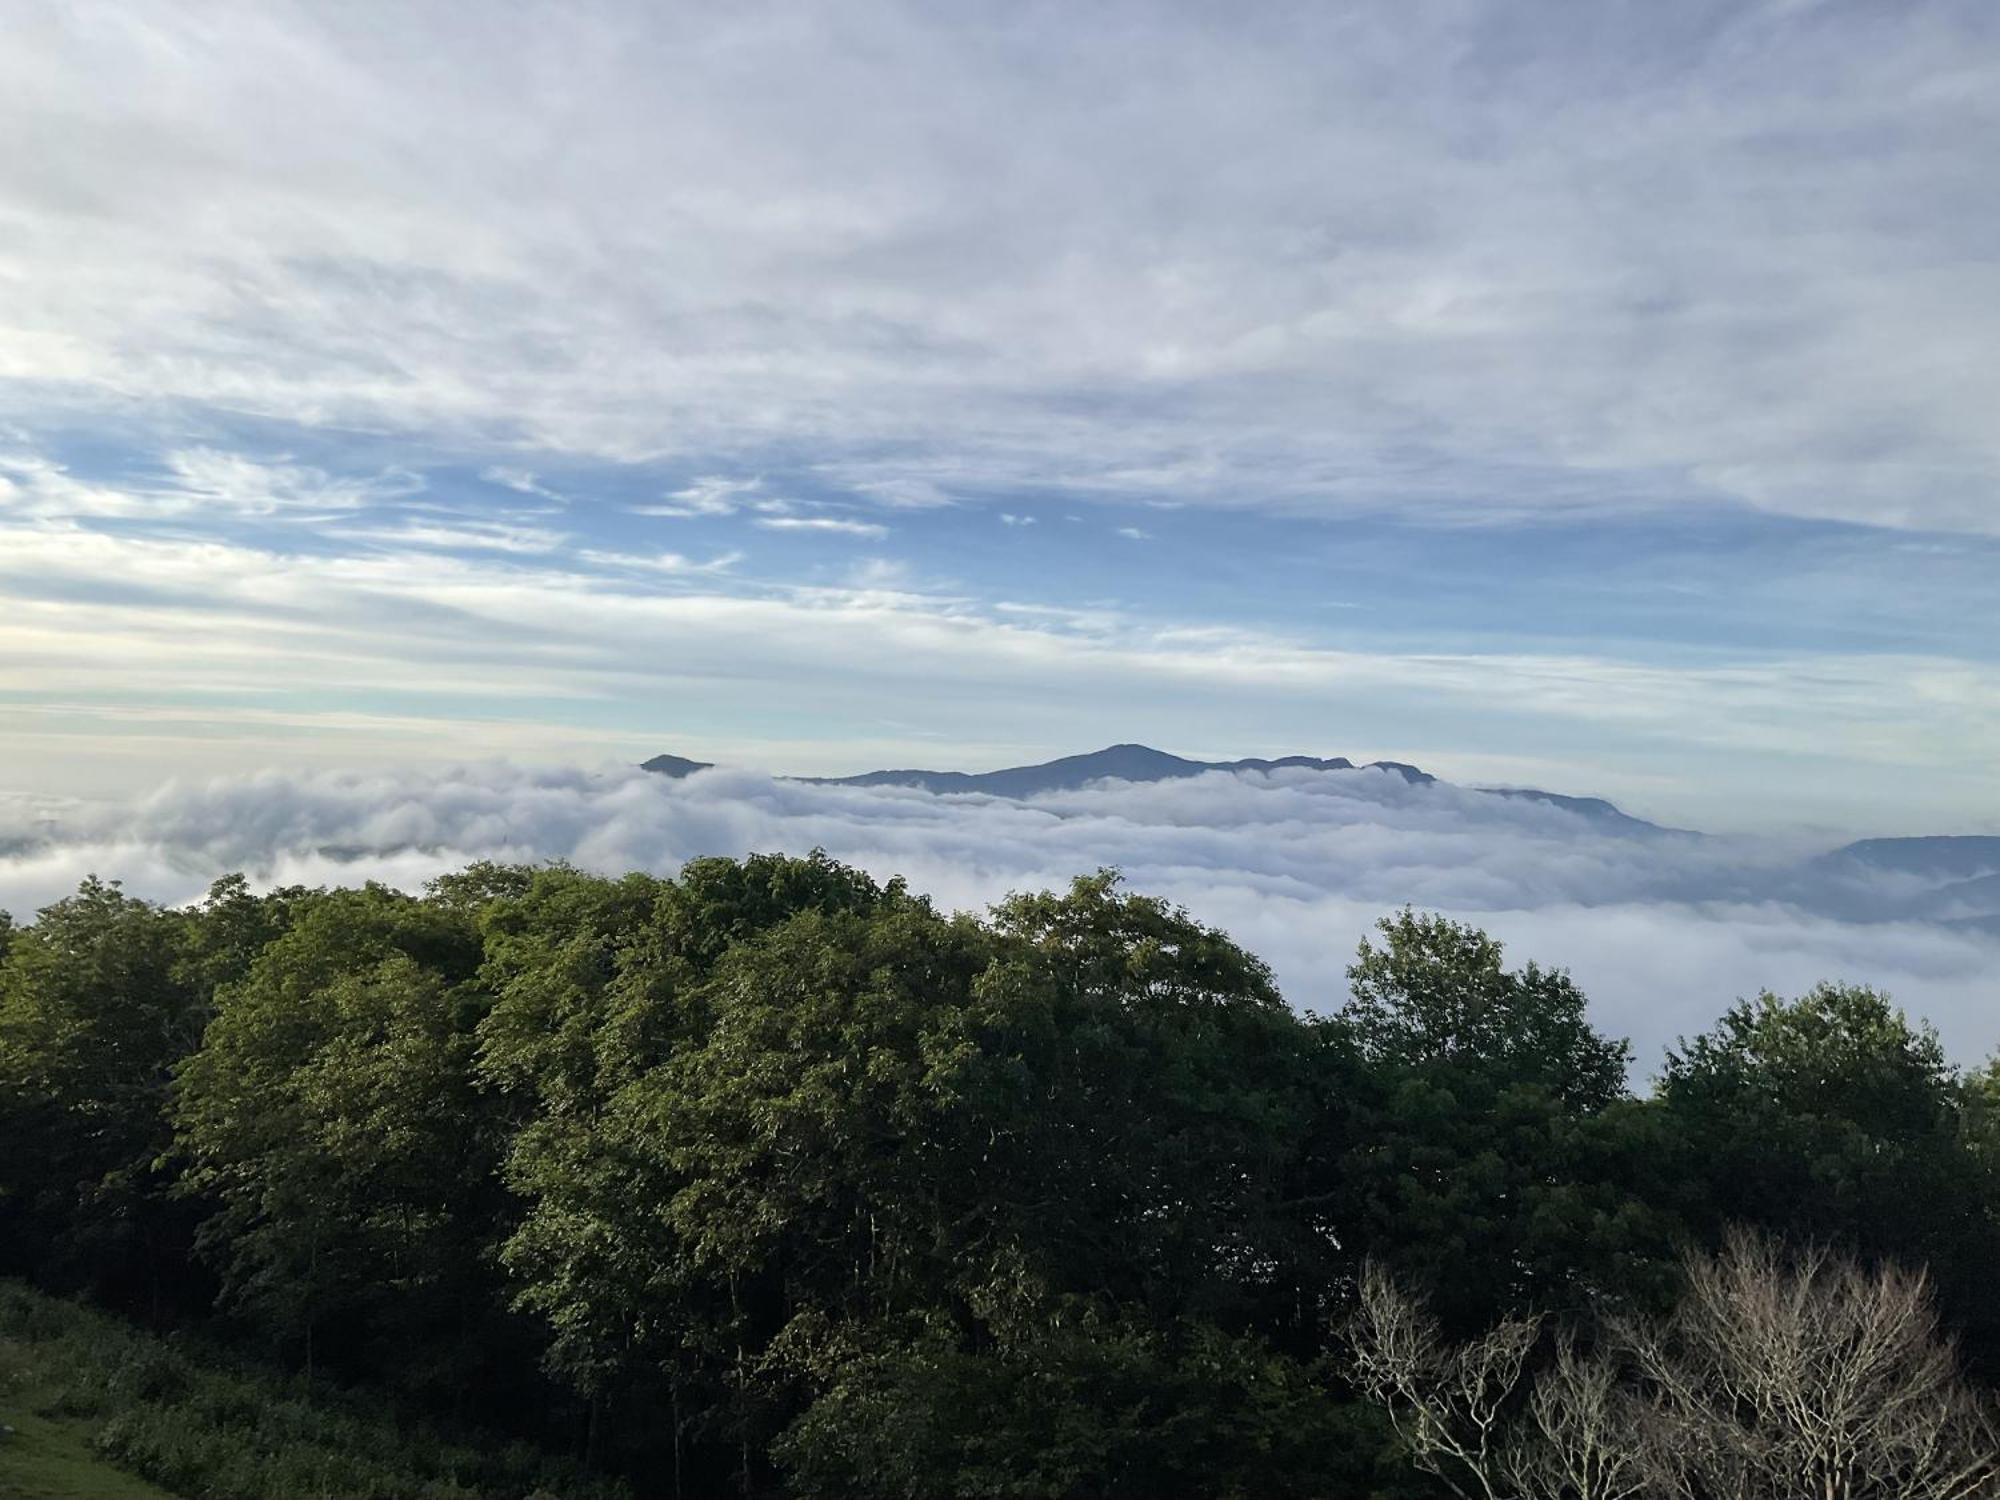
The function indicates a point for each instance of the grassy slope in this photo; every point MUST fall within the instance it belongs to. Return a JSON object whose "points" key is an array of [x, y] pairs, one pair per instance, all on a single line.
{"points": [[104, 1411], [50, 1459]]}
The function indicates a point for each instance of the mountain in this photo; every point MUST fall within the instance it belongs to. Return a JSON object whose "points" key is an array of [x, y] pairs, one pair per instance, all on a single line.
{"points": [[675, 765], [1952, 880], [1114, 763], [1941, 881], [1940, 857], [1596, 809], [1145, 764]]}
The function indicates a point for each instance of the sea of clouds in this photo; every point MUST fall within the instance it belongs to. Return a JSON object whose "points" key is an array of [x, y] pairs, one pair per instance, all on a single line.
{"points": [[1663, 932]]}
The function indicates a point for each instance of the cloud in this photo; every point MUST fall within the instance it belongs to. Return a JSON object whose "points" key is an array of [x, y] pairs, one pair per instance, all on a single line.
{"points": [[1296, 865], [1467, 260], [38, 487], [523, 481], [205, 483], [212, 479], [461, 536], [662, 562], [100, 617], [908, 492], [834, 525], [712, 495]]}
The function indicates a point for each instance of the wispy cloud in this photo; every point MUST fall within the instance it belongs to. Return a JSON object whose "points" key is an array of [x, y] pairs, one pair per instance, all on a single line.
{"points": [[233, 482], [1325, 286], [662, 562], [522, 481], [835, 525], [1493, 285], [710, 496], [196, 482], [464, 536], [903, 492], [1916, 734]]}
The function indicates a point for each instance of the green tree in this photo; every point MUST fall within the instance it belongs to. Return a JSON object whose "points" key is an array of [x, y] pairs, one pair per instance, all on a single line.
{"points": [[1155, 1087], [1436, 994], [1124, 1254], [1098, 1405], [1834, 1118], [1485, 1146], [330, 1117], [599, 988], [93, 1016], [227, 932], [876, 1138]]}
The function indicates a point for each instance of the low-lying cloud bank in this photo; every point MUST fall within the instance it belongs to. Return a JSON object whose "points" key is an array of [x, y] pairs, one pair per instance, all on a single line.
{"points": [[1662, 933]]}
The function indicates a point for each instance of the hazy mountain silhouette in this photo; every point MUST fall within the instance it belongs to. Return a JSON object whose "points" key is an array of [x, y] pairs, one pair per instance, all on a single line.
{"points": [[1948, 881], [1940, 857], [1114, 763], [675, 765], [1145, 764]]}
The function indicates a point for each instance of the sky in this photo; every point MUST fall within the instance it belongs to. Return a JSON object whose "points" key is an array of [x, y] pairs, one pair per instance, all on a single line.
{"points": [[1599, 397]]}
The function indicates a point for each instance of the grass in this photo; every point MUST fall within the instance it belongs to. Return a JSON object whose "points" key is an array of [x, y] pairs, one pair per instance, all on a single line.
{"points": [[105, 1411], [47, 1458]]}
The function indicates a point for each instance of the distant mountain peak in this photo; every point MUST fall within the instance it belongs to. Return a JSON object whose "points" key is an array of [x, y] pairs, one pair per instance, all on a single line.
{"points": [[675, 765], [1134, 762]]}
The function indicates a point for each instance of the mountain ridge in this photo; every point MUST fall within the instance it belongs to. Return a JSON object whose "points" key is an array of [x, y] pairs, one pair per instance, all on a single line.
{"points": [[1142, 763]]}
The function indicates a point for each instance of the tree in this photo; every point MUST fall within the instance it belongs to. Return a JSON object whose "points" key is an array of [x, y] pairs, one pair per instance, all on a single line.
{"points": [[330, 1118], [1781, 1375], [1832, 1117], [1482, 1137], [1436, 994], [1805, 1374], [1155, 1088], [1461, 1413], [606, 995], [1111, 1240], [1100, 1405], [872, 1160], [227, 932], [93, 1016]]}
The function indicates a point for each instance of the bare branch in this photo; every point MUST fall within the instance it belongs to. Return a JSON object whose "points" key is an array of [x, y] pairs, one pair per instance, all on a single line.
{"points": [[1783, 1375]]}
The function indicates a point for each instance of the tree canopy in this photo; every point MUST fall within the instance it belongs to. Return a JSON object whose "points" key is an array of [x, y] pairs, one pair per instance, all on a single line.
{"points": [[775, 1179]]}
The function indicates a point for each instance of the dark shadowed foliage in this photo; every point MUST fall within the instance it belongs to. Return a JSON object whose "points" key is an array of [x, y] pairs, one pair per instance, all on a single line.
{"points": [[773, 1179]]}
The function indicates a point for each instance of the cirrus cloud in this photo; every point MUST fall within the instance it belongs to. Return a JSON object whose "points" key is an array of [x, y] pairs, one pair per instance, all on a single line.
{"points": [[1469, 258]]}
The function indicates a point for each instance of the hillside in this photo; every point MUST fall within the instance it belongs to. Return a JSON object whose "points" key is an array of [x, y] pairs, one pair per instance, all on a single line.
{"points": [[104, 1411]]}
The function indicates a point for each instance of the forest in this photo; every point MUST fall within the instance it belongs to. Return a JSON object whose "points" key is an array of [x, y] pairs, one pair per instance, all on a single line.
{"points": [[772, 1179]]}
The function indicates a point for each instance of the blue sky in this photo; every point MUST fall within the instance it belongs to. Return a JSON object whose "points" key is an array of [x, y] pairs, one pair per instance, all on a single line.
{"points": [[1599, 398]]}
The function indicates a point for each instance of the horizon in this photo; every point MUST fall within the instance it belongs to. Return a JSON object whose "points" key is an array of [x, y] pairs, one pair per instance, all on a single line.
{"points": [[1602, 409], [408, 427]]}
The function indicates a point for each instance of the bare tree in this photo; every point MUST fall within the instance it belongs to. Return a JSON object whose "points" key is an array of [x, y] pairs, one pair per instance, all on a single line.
{"points": [[1802, 1375], [1453, 1406], [1583, 1436], [1783, 1375]]}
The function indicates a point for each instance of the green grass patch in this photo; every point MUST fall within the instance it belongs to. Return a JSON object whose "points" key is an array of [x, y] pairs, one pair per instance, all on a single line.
{"points": [[50, 1459], [109, 1412]]}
